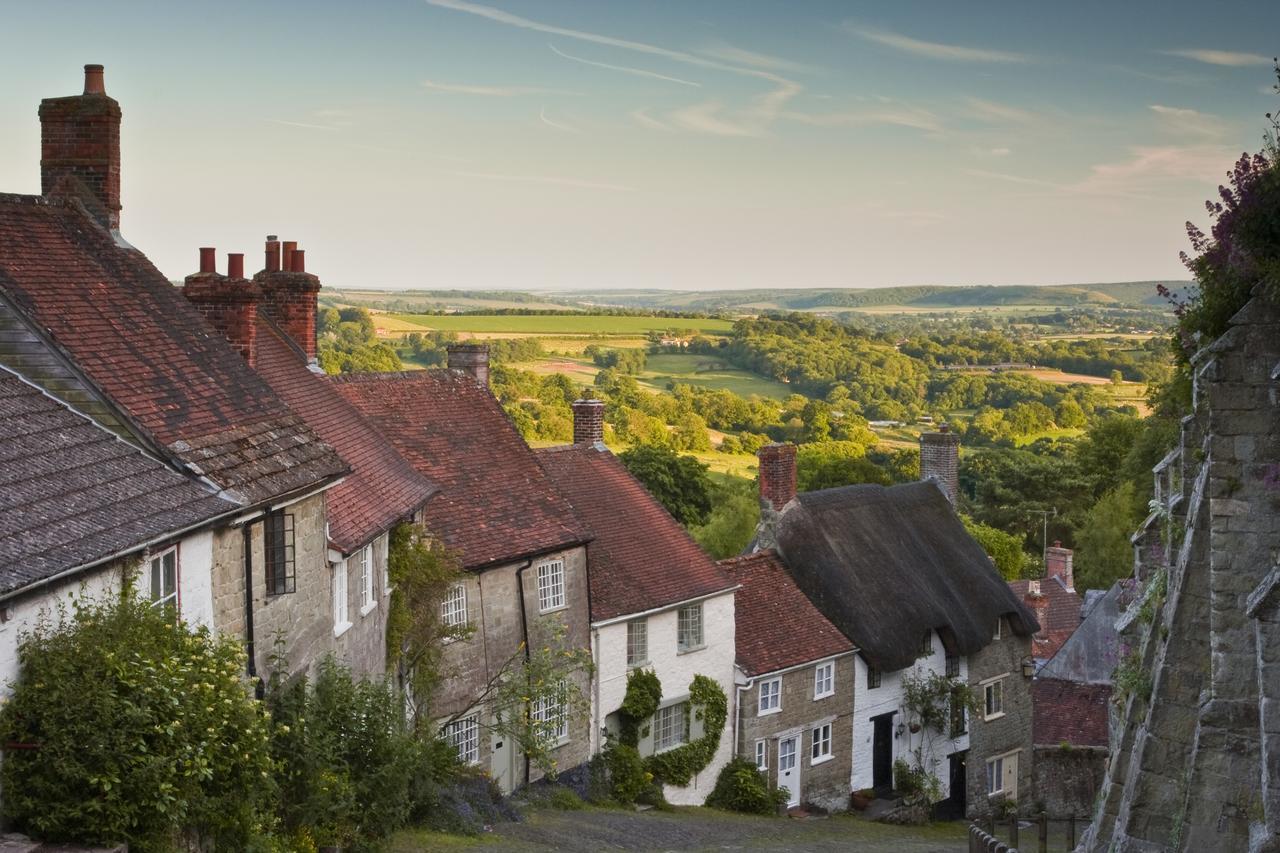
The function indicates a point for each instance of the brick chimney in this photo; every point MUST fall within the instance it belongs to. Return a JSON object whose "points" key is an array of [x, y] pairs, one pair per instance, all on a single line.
{"points": [[777, 474], [588, 421], [1057, 564], [472, 359], [229, 303], [80, 149], [940, 460], [289, 294]]}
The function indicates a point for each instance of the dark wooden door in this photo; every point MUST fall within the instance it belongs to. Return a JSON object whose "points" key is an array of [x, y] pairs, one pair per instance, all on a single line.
{"points": [[882, 753]]}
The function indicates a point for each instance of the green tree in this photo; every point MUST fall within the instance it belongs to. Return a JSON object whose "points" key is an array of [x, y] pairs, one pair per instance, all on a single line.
{"points": [[679, 483], [828, 464], [732, 523], [1104, 554], [1004, 549]]}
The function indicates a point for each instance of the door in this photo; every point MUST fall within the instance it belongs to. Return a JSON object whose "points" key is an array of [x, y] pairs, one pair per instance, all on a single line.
{"points": [[501, 761], [953, 807], [789, 768], [882, 752], [1011, 777]]}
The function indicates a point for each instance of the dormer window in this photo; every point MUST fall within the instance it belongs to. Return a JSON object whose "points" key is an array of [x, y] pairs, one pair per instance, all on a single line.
{"points": [[926, 644]]}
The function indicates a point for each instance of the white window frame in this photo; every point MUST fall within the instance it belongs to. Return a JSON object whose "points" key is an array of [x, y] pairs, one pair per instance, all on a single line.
{"points": [[464, 736], [995, 776], [453, 608], [548, 711], [824, 680], [820, 744], [368, 600], [384, 545], [687, 620], [762, 755], [341, 613], [637, 642], [551, 595], [769, 700], [993, 688], [156, 563], [671, 727]]}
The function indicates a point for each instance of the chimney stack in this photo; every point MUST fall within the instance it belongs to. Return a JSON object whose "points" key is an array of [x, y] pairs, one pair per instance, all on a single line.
{"points": [[289, 294], [588, 421], [1057, 564], [940, 460], [472, 359], [229, 303], [777, 474], [80, 149]]}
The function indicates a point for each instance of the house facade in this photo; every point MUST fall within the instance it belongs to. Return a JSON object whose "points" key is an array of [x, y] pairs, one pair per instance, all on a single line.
{"points": [[658, 603]]}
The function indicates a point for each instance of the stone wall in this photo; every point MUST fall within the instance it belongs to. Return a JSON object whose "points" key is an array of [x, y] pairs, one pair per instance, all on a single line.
{"points": [[825, 784], [1005, 734], [1065, 781]]}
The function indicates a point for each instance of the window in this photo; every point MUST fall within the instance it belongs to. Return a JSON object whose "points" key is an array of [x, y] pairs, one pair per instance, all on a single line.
{"points": [[278, 541], [341, 620], [953, 666], [1002, 775], [464, 736], [549, 718], [873, 678], [762, 755], [163, 571], [926, 644], [787, 754], [820, 750], [551, 586], [993, 694], [638, 642], [384, 546], [670, 727], [824, 679], [453, 610], [959, 716], [995, 776], [770, 696], [367, 601], [689, 628]]}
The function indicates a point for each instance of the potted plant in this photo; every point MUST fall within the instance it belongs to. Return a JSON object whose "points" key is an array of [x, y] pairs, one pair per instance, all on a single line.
{"points": [[861, 799]]}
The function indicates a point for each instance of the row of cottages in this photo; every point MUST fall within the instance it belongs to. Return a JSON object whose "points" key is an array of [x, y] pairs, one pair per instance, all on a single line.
{"points": [[891, 573]]}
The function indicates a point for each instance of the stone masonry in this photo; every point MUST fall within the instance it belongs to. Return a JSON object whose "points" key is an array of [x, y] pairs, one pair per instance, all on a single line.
{"points": [[1003, 735]]}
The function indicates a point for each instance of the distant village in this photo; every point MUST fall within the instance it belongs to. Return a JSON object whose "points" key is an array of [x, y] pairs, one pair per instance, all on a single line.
{"points": [[181, 445]]}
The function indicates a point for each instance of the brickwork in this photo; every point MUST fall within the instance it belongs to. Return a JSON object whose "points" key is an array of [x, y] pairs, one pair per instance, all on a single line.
{"points": [[777, 474], [588, 421], [940, 460], [472, 359], [1005, 734], [826, 783], [80, 148], [289, 298], [229, 305]]}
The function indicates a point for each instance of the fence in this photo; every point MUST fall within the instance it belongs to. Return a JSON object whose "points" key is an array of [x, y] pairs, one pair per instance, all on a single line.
{"points": [[1040, 834]]}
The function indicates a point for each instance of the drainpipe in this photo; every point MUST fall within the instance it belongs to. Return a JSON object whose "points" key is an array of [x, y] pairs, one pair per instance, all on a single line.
{"points": [[524, 629], [737, 729], [595, 693], [247, 531]]}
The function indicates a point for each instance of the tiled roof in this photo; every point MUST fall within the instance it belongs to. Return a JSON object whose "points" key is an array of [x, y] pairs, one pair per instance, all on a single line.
{"points": [[382, 487], [72, 493], [1057, 609], [776, 625], [641, 558], [1069, 712], [135, 337], [496, 504]]}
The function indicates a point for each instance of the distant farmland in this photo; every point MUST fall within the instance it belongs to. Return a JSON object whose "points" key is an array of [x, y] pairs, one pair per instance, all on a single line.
{"points": [[559, 324]]}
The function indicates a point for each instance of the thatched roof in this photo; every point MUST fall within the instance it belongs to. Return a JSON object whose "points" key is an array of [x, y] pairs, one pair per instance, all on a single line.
{"points": [[886, 564]]}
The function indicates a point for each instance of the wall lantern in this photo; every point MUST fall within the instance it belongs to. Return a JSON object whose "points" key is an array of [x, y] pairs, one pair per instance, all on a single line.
{"points": [[898, 731], [1028, 667]]}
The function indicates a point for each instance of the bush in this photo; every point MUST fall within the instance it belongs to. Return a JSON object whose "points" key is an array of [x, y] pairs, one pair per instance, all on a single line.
{"points": [[742, 788], [141, 730], [628, 778], [467, 804]]}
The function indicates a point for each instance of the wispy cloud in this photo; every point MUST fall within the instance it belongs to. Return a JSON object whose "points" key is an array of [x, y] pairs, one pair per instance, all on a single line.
{"points": [[642, 118], [934, 49], [625, 69], [993, 111], [917, 119], [739, 56], [490, 91], [302, 124], [542, 114], [1229, 58], [554, 180], [1146, 174], [1187, 121], [711, 117], [998, 151]]}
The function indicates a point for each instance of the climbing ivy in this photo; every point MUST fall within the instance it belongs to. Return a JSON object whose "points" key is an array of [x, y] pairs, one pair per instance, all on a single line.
{"points": [[644, 694], [707, 703]]}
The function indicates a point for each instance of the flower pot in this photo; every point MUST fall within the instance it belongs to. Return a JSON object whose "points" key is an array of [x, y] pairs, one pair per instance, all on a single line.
{"points": [[859, 800], [914, 728]]}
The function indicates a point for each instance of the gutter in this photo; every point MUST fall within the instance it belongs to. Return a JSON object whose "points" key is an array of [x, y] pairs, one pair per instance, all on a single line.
{"points": [[247, 531], [627, 617]]}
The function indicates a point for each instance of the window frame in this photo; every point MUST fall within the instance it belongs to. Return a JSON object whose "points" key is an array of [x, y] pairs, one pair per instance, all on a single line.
{"points": [[957, 716], [926, 644], [638, 643], [830, 680], [769, 701], [465, 730], [551, 586], [686, 620], [453, 607], [667, 733], [820, 738], [176, 595], [874, 676], [552, 708], [953, 666], [762, 755], [993, 688], [280, 552], [340, 582], [995, 775], [368, 598]]}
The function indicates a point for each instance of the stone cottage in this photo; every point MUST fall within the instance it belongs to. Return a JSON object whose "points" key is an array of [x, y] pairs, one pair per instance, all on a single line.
{"points": [[657, 602], [796, 683]]}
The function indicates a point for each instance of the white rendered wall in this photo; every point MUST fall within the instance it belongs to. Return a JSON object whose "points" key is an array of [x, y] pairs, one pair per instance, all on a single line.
{"points": [[195, 579]]}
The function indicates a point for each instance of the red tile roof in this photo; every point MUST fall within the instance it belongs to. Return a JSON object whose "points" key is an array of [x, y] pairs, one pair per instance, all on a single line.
{"points": [[496, 504], [136, 337], [641, 558], [1057, 609], [382, 487], [1069, 712], [776, 624]]}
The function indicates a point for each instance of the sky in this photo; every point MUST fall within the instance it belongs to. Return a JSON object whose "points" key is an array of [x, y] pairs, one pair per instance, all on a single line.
{"points": [[687, 145]]}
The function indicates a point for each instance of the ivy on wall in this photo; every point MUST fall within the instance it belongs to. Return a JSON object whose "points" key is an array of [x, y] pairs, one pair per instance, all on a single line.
{"points": [[707, 703]]}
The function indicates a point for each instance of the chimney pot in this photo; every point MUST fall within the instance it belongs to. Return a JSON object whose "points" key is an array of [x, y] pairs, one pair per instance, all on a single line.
{"points": [[93, 83], [208, 259], [235, 265], [472, 359], [299, 261], [289, 247], [273, 254], [777, 474], [588, 421]]}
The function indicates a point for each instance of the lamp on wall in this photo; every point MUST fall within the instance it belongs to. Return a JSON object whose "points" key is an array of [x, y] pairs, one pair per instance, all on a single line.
{"points": [[1028, 667], [898, 731]]}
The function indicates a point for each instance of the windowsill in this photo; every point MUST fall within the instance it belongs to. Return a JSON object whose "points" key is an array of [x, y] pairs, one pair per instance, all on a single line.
{"points": [[823, 695], [989, 717], [691, 649], [364, 611], [770, 712], [823, 760], [657, 751], [638, 664], [994, 794], [341, 628], [555, 609]]}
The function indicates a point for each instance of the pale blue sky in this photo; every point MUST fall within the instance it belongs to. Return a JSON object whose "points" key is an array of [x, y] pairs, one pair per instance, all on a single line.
{"points": [[446, 143]]}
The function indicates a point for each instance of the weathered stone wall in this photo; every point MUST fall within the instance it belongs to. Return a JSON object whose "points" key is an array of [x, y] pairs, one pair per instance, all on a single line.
{"points": [[825, 784], [1065, 782], [1005, 734]]}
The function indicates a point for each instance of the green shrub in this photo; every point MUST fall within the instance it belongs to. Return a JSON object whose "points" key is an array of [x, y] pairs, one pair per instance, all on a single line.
{"points": [[142, 730], [628, 778], [565, 800], [742, 788], [677, 766], [916, 785]]}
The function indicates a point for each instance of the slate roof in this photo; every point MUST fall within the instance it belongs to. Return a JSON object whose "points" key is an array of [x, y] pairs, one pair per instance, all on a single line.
{"points": [[1057, 609], [1069, 712], [1090, 655], [137, 338], [886, 564], [776, 625], [383, 487], [73, 494], [641, 558], [496, 504]]}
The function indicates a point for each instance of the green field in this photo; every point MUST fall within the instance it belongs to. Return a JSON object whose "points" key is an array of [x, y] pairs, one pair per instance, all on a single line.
{"points": [[561, 324], [709, 372]]}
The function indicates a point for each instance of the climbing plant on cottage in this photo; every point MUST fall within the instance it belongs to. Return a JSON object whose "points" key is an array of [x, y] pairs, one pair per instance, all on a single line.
{"points": [[707, 706]]}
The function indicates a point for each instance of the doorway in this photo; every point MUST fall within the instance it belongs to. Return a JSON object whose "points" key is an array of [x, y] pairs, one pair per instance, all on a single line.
{"points": [[882, 753], [789, 768]]}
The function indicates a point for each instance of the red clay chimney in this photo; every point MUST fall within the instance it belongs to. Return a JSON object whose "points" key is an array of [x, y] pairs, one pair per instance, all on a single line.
{"points": [[228, 303], [273, 254], [235, 265], [940, 460], [289, 247], [80, 149], [289, 294], [1057, 564], [299, 261], [588, 421], [208, 261], [472, 359], [777, 474]]}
